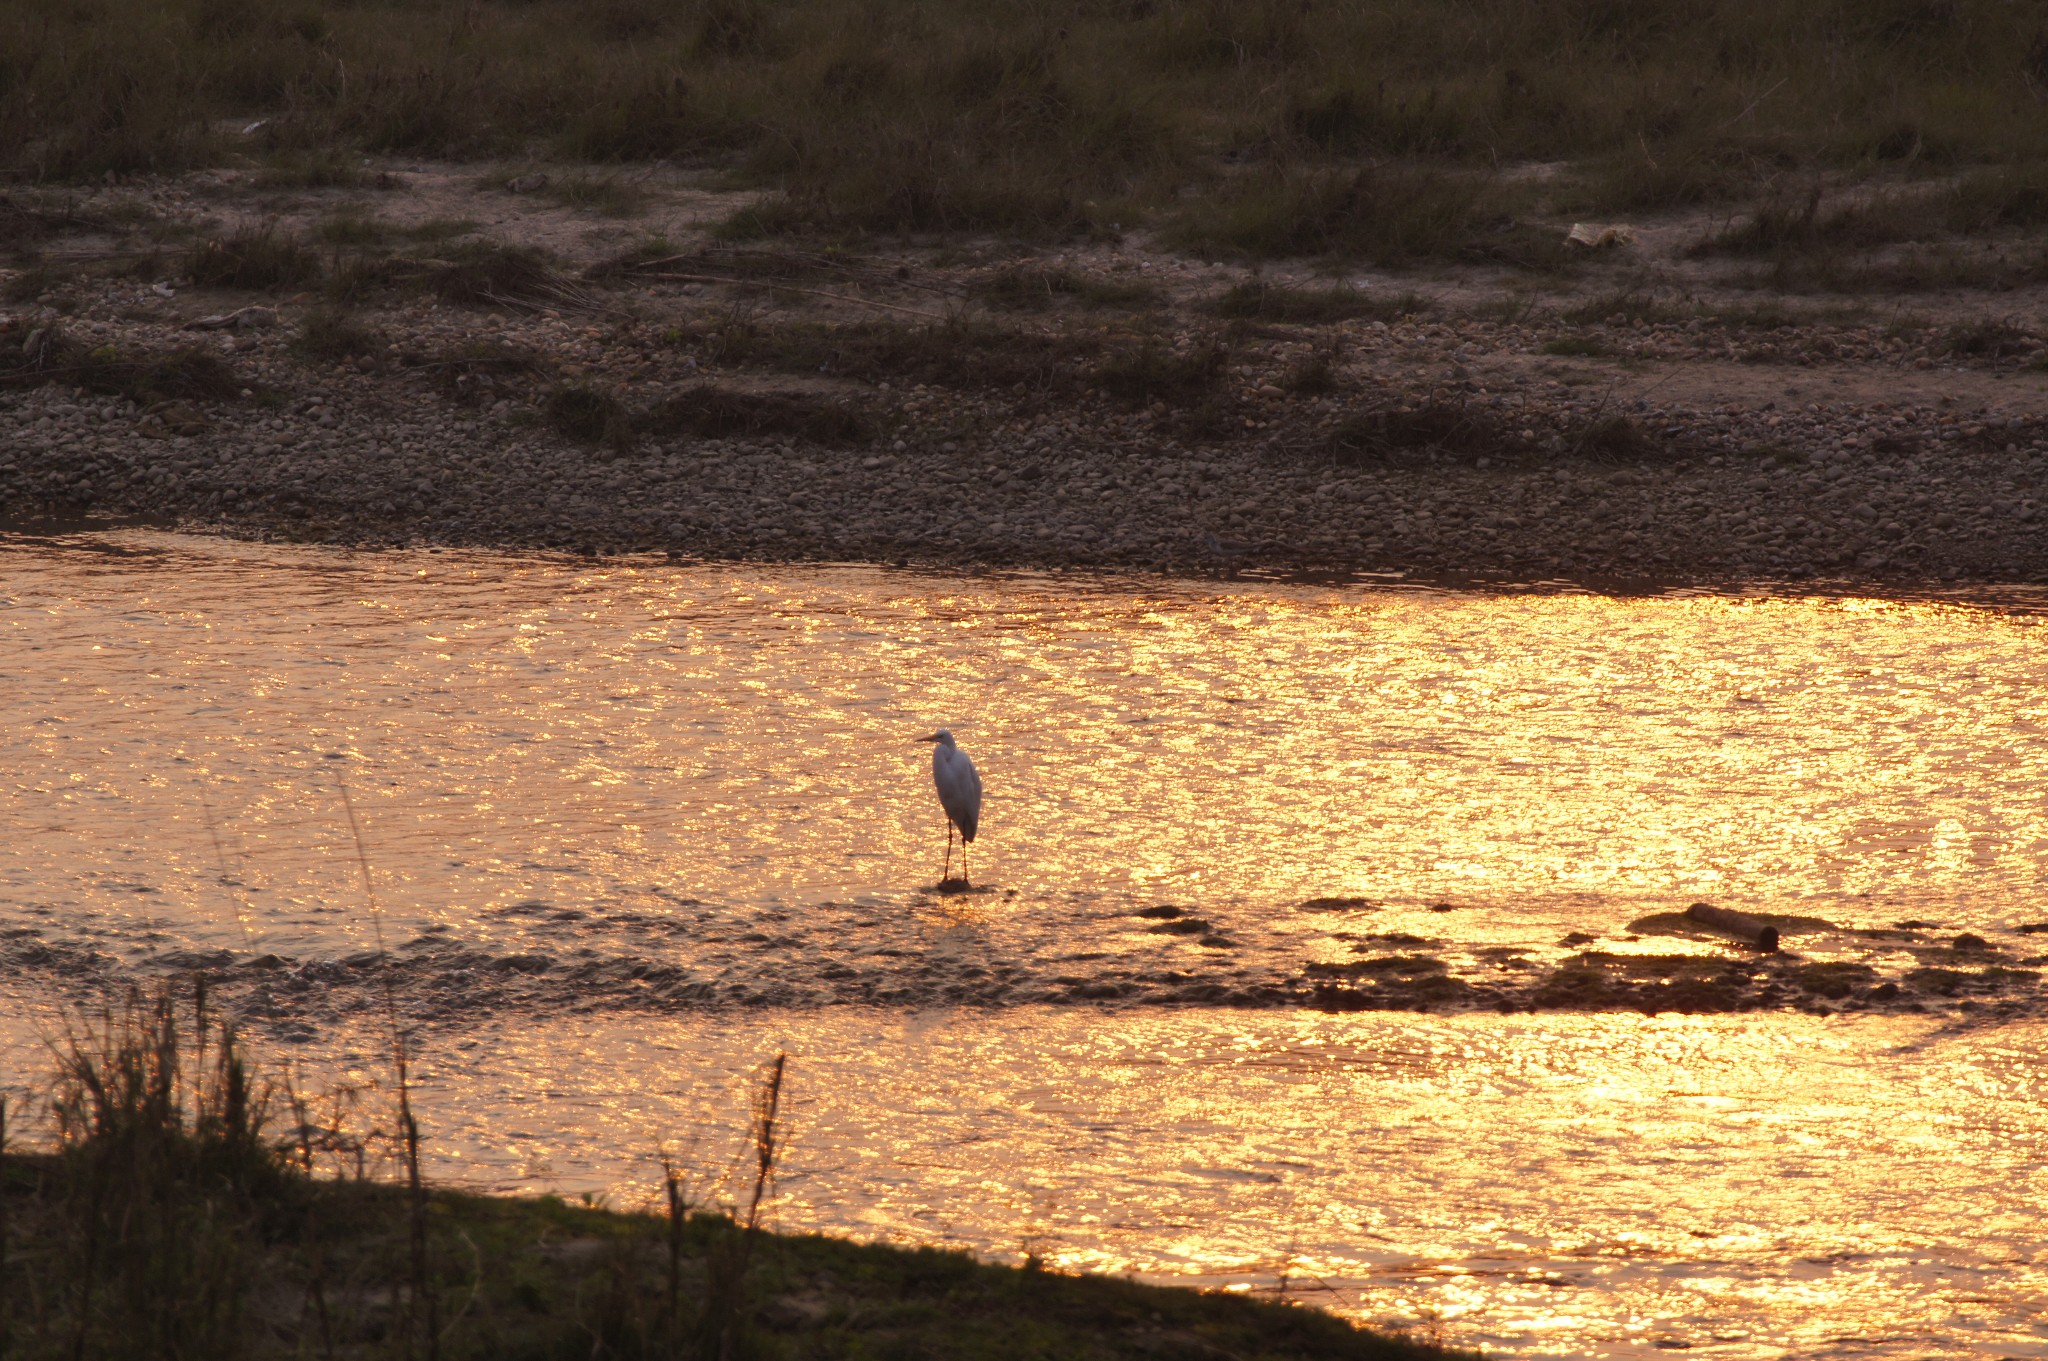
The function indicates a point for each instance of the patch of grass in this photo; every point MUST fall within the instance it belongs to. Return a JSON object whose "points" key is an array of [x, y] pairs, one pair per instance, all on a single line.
{"points": [[33, 282], [484, 370], [585, 414], [1006, 116], [657, 255], [1409, 434], [27, 216], [1765, 316], [1034, 287], [1614, 439], [1315, 375], [1347, 118], [261, 259], [712, 411], [1672, 178], [605, 195], [331, 333], [351, 226], [438, 229], [311, 168], [960, 355], [162, 1185], [1577, 347], [1153, 370], [1258, 300], [1390, 215], [1802, 220], [1990, 339], [2008, 197], [1623, 308], [488, 273], [353, 276], [48, 355], [1916, 270]]}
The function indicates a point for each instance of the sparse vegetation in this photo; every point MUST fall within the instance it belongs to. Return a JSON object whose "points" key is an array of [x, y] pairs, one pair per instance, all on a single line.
{"points": [[712, 411], [583, 413], [959, 355], [1387, 214], [1258, 300], [1153, 371], [49, 355], [484, 370], [1577, 346], [1992, 339], [311, 167], [331, 333], [262, 259], [1409, 435], [606, 195], [1033, 287], [486, 273], [1314, 375], [1378, 128]]}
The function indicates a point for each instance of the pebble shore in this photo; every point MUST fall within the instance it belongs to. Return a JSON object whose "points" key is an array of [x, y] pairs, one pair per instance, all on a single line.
{"points": [[1683, 450]]}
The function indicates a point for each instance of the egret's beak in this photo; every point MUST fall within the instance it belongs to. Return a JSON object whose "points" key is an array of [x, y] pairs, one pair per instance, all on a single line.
{"points": [[933, 738]]}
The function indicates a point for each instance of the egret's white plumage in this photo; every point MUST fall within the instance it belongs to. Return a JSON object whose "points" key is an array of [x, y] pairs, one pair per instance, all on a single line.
{"points": [[959, 786]]}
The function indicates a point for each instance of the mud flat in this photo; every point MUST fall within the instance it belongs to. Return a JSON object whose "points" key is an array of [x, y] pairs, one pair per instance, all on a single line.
{"points": [[430, 357]]}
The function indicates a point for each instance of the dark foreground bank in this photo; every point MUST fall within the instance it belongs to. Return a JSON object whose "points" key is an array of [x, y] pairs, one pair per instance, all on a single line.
{"points": [[322, 1268], [191, 1209]]}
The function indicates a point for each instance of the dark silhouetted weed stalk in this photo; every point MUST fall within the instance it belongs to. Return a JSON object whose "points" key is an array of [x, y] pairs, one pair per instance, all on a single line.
{"points": [[164, 1171], [726, 1269], [424, 1316]]}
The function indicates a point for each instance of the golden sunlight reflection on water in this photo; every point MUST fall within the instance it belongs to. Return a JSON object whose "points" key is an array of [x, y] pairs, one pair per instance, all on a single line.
{"points": [[1568, 1186], [533, 741], [524, 730]]}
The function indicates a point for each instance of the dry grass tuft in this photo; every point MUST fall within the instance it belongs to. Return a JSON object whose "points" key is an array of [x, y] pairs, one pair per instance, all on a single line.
{"points": [[331, 333], [1153, 371], [487, 273], [961, 355], [1257, 300], [712, 411], [48, 355], [579, 412], [1388, 214], [262, 259], [1411, 435], [1034, 287]]}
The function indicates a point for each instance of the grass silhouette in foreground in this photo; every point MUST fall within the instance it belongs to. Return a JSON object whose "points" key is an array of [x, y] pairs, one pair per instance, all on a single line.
{"points": [[172, 1220]]}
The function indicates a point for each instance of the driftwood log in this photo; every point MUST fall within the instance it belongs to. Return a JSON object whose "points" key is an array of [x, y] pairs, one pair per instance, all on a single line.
{"points": [[1740, 925]]}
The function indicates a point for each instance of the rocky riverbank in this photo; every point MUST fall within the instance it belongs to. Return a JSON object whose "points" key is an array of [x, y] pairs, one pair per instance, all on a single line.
{"points": [[1326, 956], [548, 381]]}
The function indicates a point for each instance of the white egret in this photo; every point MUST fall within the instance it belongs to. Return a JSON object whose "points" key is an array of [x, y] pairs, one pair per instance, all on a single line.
{"points": [[959, 786]]}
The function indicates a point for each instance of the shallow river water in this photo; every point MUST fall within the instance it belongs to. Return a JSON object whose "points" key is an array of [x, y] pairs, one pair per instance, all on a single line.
{"points": [[634, 826]]}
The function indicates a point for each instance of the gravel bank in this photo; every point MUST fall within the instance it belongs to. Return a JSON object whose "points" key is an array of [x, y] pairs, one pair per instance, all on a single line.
{"points": [[1698, 449]]}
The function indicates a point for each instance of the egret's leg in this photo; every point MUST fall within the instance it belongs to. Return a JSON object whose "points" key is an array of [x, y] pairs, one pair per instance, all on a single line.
{"points": [[947, 872], [963, 859]]}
